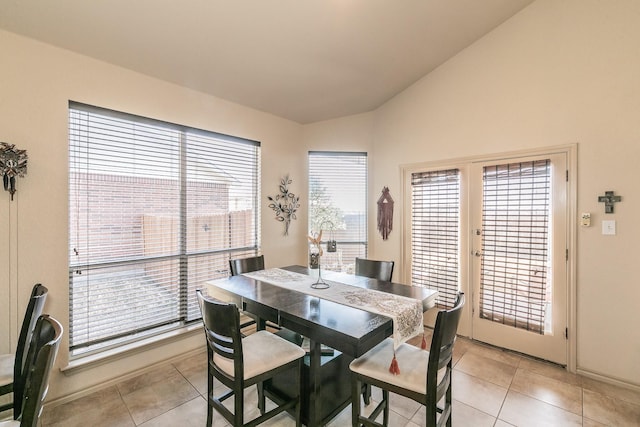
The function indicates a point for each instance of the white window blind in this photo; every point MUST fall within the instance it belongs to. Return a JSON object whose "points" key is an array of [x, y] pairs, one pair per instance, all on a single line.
{"points": [[338, 205], [435, 229], [514, 289], [156, 209]]}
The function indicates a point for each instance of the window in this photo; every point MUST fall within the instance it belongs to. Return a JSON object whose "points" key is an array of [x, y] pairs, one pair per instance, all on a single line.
{"points": [[435, 225], [156, 209], [338, 206], [514, 287]]}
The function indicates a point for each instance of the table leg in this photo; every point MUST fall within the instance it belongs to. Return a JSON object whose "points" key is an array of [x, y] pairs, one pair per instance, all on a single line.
{"points": [[261, 324], [314, 382]]}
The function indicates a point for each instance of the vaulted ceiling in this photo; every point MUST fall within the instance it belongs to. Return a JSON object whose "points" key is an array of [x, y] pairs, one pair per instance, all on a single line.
{"points": [[304, 60]]}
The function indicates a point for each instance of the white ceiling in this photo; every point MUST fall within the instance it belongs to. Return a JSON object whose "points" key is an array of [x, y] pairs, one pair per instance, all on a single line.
{"points": [[304, 60]]}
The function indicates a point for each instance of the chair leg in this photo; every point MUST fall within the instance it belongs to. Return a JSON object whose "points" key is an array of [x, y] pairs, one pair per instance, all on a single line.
{"points": [[238, 397], [448, 397], [209, 414], [366, 394], [209, 397], [261, 398], [356, 389], [298, 408], [385, 399]]}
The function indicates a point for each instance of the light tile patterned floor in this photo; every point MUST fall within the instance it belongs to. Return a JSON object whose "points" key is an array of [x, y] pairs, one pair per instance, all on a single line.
{"points": [[491, 387]]}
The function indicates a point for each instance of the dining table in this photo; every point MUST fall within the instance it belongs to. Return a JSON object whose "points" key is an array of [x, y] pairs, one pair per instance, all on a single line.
{"points": [[336, 333]]}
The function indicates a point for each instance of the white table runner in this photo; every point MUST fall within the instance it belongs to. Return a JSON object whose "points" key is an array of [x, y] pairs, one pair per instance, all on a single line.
{"points": [[406, 312]]}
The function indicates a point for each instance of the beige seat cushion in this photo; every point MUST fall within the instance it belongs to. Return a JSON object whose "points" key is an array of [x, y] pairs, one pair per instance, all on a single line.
{"points": [[262, 351], [10, 423], [6, 368], [412, 362]]}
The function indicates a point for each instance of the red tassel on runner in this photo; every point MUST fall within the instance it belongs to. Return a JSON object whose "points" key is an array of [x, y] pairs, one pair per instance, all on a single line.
{"points": [[394, 368], [424, 343]]}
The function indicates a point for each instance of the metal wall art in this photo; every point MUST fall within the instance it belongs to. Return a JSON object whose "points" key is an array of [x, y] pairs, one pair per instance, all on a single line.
{"points": [[285, 204], [385, 213], [13, 162], [609, 199]]}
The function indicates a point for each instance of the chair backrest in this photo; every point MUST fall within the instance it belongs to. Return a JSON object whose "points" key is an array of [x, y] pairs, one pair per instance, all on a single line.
{"points": [[441, 350], [381, 270], [222, 330], [246, 265], [45, 342], [33, 312]]}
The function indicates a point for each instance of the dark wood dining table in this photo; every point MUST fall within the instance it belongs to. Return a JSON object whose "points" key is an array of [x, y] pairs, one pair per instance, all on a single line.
{"points": [[348, 331]]}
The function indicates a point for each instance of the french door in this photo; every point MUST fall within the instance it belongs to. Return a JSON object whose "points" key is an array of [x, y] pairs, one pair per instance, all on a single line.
{"points": [[497, 230], [519, 254]]}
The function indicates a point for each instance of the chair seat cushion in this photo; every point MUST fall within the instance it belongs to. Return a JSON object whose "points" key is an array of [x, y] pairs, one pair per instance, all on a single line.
{"points": [[10, 423], [262, 351], [412, 361], [6, 368]]}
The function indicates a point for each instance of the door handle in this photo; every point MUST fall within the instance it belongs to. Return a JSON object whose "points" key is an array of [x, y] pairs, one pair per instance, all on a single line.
{"points": [[477, 253]]}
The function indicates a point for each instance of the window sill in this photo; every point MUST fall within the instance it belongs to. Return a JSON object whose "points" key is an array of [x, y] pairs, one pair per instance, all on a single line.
{"points": [[83, 363]]}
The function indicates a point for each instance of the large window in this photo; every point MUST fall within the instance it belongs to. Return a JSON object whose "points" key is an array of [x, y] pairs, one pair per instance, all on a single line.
{"points": [[338, 206], [156, 210]]}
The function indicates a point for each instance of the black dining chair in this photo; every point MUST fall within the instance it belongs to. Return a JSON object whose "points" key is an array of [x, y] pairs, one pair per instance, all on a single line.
{"points": [[425, 377], [247, 265], [240, 362], [374, 269], [13, 365], [381, 270], [43, 348]]}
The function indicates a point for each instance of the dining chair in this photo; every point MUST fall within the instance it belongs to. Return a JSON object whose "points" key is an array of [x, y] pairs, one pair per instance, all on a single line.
{"points": [[239, 363], [43, 349], [381, 270], [247, 265], [13, 365], [425, 376]]}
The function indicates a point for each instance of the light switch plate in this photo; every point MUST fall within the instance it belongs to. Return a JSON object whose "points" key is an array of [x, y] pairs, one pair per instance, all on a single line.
{"points": [[609, 227]]}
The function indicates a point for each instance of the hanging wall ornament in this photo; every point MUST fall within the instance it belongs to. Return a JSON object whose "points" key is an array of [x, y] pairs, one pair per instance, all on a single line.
{"points": [[285, 204], [13, 163], [385, 213]]}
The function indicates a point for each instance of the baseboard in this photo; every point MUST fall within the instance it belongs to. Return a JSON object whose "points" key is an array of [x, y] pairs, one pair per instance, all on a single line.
{"points": [[92, 389], [609, 380]]}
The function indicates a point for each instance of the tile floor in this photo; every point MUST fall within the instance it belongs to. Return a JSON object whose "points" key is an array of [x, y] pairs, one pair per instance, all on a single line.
{"points": [[491, 387]]}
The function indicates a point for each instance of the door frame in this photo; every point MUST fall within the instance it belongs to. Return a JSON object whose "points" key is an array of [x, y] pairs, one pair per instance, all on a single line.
{"points": [[463, 164]]}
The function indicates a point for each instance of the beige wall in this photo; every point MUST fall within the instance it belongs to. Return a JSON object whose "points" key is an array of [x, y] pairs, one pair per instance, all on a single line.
{"points": [[559, 72], [36, 82]]}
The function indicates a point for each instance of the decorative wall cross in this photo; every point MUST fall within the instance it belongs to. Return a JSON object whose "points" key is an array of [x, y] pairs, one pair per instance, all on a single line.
{"points": [[609, 199]]}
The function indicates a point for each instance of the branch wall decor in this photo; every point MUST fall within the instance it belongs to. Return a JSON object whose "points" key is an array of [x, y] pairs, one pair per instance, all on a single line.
{"points": [[13, 162], [285, 204]]}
